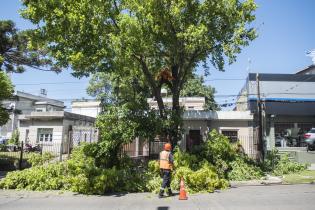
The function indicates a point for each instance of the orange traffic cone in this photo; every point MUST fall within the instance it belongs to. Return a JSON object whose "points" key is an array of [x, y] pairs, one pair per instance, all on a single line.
{"points": [[182, 191]]}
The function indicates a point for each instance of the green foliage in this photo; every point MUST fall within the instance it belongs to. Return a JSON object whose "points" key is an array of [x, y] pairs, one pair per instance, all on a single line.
{"points": [[205, 179], [36, 159], [271, 161], [184, 159], [154, 167], [196, 86], [79, 174], [49, 177], [218, 148], [119, 125], [281, 164], [3, 147], [16, 52], [150, 38], [286, 166], [241, 171], [154, 184], [202, 172], [14, 138], [6, 92]]}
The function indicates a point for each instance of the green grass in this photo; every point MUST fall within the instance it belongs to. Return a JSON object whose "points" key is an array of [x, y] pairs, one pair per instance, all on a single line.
{"points": [[302, 177]]}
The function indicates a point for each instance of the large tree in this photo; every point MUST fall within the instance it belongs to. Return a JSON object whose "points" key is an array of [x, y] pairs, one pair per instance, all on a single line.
{"points": [[105, 88], [6, 92], [162, 41], [16, 52]]}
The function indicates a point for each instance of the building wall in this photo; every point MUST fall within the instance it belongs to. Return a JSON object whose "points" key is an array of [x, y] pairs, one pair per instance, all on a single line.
{"points": [[23, 104], [34, 125], [243, 127], [26, 104], [88, 108], [189, 103], [88, 111]]}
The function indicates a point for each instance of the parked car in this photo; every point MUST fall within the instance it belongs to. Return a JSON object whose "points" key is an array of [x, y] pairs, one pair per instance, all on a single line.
{"points": [[310, 139]]}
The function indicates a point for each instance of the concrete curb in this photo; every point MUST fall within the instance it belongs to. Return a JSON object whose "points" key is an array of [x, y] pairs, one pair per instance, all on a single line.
{"points": [[270, 180]]}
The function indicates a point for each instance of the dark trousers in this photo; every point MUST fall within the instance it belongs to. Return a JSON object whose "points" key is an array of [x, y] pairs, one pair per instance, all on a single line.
{"points": [[166, 175]]}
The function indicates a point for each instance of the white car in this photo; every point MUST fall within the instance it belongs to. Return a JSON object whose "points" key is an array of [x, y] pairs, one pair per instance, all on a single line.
{"points": [[310, 139]]}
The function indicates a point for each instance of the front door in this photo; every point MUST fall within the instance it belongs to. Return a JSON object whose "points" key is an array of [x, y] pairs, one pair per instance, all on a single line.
{"points": [[194, 139]]}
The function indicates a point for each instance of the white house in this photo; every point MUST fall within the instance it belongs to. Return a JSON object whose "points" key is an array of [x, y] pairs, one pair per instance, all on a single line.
{"points": [[86, 107]]}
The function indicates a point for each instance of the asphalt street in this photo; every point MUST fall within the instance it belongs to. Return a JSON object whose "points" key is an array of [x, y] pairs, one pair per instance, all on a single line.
{"points": [[286, 197]]}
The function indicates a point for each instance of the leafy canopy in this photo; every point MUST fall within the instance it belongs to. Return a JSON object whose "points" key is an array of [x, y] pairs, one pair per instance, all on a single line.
{"points": [[6, 92], [196, 87], [16, 52], [145, 36], [159, 41]]}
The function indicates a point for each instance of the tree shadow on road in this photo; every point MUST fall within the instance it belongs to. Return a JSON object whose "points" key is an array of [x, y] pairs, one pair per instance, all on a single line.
{"points": [[162, 208]]}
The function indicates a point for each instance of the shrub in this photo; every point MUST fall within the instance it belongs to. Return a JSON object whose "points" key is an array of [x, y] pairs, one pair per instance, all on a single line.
{"points": [[185, 159], [218, 148], [271, 161], [79, 174], [199, 174], [243, 171], [48, 177], [3, 147], [281, 164], [36, 159], [286, 166], [14, 138], [204, 179]]}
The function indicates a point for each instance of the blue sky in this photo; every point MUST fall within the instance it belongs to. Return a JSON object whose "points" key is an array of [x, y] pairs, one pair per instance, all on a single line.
{"points": [[286, 31]]}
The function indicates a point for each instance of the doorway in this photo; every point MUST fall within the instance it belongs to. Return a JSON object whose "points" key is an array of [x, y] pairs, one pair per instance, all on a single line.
{"points": [[193, 139]]}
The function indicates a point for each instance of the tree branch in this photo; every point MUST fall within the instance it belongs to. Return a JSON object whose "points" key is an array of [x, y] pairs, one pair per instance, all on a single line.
{"points": [[156, 89]]}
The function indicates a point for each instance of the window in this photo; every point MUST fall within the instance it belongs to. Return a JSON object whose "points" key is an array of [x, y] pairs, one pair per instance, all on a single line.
{"points": [[45, 134], [312, 131], [232, 135]]}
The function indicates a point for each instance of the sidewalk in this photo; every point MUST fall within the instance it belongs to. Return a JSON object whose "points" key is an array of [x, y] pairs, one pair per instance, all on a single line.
{"points": [[270, 180]]}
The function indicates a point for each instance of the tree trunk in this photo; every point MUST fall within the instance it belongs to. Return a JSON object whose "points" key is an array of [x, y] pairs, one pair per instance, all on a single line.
{"points": [[176, 109], [176, 120]]}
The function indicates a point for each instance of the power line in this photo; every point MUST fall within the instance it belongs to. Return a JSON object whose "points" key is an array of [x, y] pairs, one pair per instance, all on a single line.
{"points": [[224, 79], [48, 83], [57, 83]]}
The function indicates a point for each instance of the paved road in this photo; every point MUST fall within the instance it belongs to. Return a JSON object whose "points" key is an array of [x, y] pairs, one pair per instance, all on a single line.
{"points": [[286, 197]]}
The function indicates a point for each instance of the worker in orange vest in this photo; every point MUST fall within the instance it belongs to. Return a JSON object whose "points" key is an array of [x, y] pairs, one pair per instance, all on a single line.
{"points": [[166, 167]]}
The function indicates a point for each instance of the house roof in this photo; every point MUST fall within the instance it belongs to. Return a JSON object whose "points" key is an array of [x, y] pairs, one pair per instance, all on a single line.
{"points": [[282, 77], [40, 99], [307, 70], [56, 115]]}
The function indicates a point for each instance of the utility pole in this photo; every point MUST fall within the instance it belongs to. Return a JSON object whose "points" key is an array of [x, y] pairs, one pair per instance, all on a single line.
{"points": [[260, 123]]}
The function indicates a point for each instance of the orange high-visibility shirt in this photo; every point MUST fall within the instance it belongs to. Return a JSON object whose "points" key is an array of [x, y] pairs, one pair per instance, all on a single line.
{"points": [[165, 160]]}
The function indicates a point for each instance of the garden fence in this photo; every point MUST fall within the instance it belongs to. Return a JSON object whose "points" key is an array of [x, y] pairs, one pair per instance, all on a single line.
{"points": [[13, 157], [249, 146]]}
